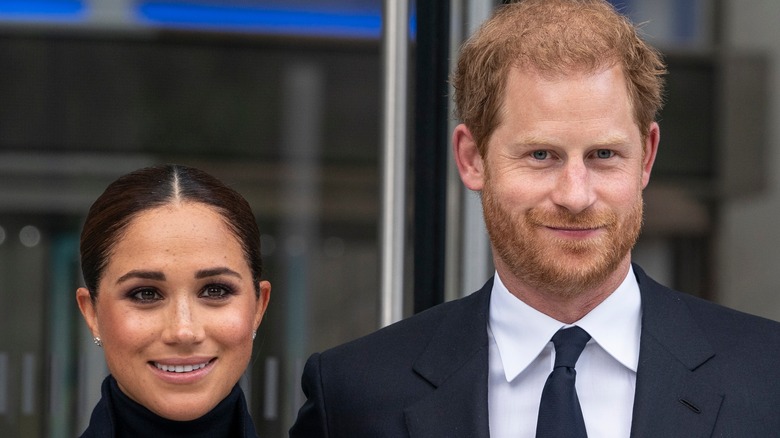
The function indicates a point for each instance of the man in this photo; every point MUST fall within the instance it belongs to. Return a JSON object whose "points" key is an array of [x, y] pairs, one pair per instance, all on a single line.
{"points": [[558, 100]]}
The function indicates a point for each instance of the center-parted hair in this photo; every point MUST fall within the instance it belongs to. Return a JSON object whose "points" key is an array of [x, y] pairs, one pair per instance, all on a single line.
{"points": [[153, 187], [553, 38]]}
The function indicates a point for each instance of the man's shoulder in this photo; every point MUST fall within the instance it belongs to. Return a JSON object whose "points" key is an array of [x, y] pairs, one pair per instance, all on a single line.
{"points": [[408, 337], [733, 323], [364, 387], [710, 352], [722, 325]]}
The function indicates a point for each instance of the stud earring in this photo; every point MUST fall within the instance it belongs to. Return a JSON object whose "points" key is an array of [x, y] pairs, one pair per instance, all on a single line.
{"points": [[254, 334], [97, 341]]}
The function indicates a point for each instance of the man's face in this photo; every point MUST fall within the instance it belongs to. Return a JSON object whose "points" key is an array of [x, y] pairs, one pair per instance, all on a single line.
{"points": [[562, 181]]}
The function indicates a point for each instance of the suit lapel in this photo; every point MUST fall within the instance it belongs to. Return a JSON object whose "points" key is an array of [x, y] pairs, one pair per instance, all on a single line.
{"points": [[455, 363], [671, 398]]}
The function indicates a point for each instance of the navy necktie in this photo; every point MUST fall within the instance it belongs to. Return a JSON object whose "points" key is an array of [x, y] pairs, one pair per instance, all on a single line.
{"points": [[560, 415]]}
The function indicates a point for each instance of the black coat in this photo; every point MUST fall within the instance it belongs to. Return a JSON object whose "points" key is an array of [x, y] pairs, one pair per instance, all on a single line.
{"points": [[103, 423], [704, 370]]}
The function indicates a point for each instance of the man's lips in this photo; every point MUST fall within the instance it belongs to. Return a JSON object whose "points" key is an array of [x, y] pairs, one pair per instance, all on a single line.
{"points": [[575, 232]]}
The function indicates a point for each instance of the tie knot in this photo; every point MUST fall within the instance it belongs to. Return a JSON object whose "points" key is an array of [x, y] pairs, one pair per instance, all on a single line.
{"points": [[569, 344]]}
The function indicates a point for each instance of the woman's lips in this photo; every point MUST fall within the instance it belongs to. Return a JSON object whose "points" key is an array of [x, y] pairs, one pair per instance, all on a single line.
{"points": [[180, 368], [182, 371]]}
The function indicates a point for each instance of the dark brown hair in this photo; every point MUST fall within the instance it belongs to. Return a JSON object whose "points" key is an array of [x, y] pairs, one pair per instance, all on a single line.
{"points": [[153, 187], [553, 38]]}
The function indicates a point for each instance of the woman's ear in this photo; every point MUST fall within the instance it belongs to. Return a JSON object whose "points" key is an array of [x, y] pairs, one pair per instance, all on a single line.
{"points": [[262, 301], [87, 307]]}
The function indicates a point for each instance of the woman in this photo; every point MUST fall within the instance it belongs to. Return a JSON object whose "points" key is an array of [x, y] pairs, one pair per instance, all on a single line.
{"points": [[171, 263]]}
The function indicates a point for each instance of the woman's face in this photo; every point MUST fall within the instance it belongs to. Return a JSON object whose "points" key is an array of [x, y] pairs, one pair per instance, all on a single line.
{"points": [[176, 309]]}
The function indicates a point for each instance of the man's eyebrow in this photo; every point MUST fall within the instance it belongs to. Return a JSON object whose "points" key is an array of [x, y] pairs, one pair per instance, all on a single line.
{"points": [[146, 275], [613, 140], [538, 141], [213, 272]]}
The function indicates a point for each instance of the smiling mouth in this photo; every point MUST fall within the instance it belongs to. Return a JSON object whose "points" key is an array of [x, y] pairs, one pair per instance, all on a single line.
{"points": [[574, 230], [180, 368]]}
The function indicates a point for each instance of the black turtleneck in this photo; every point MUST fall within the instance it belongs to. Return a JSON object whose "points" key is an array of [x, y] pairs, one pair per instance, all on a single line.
{"points": [[133, 420]]}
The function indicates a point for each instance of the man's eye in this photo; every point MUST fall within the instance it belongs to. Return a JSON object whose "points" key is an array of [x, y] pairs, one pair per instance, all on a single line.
{"points": [[605, 153], [540, 155]]}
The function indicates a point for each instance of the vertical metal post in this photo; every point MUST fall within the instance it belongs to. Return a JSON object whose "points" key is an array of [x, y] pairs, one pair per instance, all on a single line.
{"points": [[395, 31], [302, 134], [431, 146], [469, 261]]}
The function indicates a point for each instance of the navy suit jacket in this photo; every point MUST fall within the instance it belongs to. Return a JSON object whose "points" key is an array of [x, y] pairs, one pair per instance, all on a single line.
{"points": [[704, 370]]}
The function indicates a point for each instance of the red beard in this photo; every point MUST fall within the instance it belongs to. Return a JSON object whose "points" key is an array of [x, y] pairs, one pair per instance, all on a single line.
{"points": [[563, 267]]}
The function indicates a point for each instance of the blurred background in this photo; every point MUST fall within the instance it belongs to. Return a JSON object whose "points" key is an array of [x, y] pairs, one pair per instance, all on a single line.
{"points": [[288, 102]]}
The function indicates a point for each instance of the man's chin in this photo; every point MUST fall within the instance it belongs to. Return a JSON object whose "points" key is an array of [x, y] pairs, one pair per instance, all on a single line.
{"points": [[567, 274]]}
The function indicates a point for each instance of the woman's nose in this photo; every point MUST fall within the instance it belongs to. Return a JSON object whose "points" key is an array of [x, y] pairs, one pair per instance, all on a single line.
{"points": [[182, 326]]}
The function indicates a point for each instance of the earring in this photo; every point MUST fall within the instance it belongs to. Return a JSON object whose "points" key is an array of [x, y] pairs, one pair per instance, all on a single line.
{"points": [[254, 334], [97, 341]]}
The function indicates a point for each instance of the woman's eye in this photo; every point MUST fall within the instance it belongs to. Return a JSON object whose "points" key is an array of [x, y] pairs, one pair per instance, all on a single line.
{"points": [[215, 291], [605, 153], [540, 155], [146, 295]]}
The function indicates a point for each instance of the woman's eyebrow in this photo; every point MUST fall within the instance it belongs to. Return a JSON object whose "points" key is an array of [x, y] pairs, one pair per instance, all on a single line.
{"points": [[213, 272], [146, 275]]}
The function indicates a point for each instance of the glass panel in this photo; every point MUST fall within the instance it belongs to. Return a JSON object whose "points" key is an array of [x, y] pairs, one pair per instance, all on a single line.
{"points": [[292, 124], [23, 268], [673, 24]]}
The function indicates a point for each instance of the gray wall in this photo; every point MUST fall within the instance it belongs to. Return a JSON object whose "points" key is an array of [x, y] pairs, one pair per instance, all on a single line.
{"points": [[748, 258]]}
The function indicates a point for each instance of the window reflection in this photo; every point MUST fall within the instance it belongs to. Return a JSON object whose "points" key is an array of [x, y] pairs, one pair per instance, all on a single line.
{"points": [[290, 123]]}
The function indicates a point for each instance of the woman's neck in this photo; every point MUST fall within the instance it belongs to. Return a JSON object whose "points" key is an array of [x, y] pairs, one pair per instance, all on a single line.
{"points": [[132, 419]]}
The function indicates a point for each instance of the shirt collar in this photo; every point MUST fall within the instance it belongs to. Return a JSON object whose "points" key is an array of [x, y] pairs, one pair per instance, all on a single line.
{"points": [[521, 332]]}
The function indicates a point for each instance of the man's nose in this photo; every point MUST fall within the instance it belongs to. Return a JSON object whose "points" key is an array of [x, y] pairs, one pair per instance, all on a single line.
{"points": [[573, 190]]}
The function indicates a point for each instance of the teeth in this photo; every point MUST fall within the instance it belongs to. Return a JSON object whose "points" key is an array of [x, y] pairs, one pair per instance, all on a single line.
{"points": [[180, 368]]}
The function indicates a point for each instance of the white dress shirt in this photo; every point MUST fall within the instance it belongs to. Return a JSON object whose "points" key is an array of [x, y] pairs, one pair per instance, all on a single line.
{"points": [[522, 356]]}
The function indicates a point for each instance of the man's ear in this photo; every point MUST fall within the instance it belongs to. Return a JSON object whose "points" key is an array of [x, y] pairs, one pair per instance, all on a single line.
{"points": [[468, 159], [651, 149], [87, 307]]}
